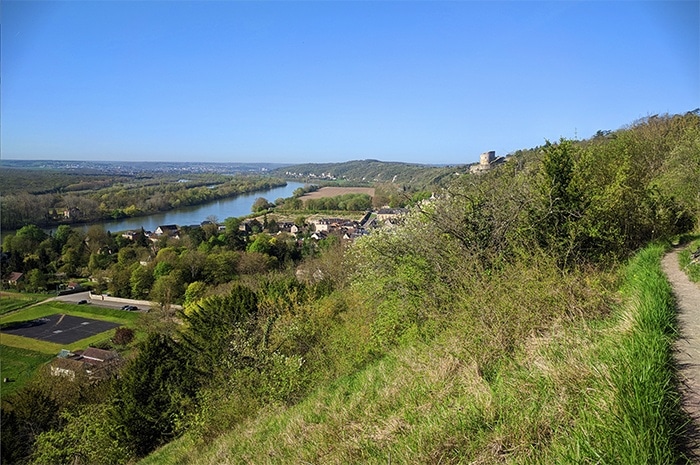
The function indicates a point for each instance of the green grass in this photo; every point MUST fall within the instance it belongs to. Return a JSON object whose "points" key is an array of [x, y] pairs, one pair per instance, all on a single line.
{"points": [[630, 412], [21, 357], [115, 316], [50, 308], [11, 301], [580, 390], [19, 365]]}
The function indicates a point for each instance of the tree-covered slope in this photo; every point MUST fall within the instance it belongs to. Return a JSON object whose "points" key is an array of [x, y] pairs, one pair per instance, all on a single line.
{"points": [[372, 172], [489, 328]]}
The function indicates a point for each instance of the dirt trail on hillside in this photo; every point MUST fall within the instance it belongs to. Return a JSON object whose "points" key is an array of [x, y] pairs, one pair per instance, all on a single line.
{"points": [[688, 345]]}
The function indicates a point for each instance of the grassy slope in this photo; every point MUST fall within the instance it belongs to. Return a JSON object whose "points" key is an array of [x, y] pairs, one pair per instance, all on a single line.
{"points": [[11, 301], [19, 365], [583, 392]]}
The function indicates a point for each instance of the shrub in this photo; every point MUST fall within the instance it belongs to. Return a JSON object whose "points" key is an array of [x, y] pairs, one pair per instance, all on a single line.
{"points": [[123, 336]]}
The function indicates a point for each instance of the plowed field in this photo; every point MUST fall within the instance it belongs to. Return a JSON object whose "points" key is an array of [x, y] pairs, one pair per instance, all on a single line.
{"points": [[336, 191]]}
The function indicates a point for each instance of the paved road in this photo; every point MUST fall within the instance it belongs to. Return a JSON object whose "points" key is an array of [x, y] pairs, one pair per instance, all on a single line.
{"points": [[75, 298], [688, 345]]}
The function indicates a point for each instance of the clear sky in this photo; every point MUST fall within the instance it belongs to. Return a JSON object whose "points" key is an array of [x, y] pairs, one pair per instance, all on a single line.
{"points": [[326, 81]]}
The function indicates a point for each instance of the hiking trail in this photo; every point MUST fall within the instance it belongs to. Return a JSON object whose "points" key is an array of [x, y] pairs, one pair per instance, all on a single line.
{"points": [[687, 347]]}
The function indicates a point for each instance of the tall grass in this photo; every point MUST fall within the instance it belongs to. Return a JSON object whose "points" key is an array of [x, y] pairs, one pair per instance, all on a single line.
{"points": [[631, 411], [570, 384]]}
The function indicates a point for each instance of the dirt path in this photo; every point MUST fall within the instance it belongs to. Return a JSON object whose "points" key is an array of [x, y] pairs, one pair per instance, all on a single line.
{"points": [[688, 344]]}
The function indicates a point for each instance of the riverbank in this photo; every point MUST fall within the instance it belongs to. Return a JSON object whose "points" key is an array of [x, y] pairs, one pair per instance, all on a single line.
{"points": [[235, 206]]}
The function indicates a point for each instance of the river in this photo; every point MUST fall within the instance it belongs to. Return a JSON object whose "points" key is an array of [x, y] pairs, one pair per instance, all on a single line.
{"points": [[185, 216]]}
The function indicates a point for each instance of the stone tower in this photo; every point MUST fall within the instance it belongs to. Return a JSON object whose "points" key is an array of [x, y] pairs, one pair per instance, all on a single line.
{"points": [[487, 158]]}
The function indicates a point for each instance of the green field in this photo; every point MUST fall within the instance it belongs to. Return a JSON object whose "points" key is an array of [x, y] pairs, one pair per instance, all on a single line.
{"points": [[91, 311], [19, 365], [50, 308], [11, 301], [20, 357]]}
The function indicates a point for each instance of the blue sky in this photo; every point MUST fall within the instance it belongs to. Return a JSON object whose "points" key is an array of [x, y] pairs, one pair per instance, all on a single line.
{"points": [[326, 81]]}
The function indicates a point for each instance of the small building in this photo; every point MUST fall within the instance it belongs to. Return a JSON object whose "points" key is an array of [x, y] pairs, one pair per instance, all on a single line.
{"points": [[328, 224], [94, 363], [72, 213], [170, 230], [131, 235], [384, 214], [322, 225], [14, 278]]}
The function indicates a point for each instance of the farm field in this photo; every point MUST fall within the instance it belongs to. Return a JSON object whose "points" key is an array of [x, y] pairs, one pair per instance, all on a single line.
{"points": [[336, 191]]}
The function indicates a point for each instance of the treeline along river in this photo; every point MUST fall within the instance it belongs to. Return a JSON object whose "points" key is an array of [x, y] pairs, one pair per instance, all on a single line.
{"points": [[185, 216], [221, 209]]}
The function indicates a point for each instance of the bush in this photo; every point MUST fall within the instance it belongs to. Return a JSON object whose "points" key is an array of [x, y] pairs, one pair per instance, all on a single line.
{"points": [[691, 265], [123, 336]]}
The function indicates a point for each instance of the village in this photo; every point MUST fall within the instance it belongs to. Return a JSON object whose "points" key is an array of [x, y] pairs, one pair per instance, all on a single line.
{"points": [[317, 227]]}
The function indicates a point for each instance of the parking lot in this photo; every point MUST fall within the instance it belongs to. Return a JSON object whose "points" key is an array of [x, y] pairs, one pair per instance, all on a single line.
{"points": [[58, 328]]}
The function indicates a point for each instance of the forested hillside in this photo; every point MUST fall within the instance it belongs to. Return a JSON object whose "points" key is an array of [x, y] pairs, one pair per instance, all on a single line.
{"points": [[372, 172], [50, 197], [494, 324]]}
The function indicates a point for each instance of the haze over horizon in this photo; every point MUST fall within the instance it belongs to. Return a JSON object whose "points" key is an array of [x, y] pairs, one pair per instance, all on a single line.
{"points": [[314, 82]]}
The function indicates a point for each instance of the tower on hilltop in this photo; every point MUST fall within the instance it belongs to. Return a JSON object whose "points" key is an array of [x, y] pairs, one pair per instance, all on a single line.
{"points": [[487, 157], [487, 160]]}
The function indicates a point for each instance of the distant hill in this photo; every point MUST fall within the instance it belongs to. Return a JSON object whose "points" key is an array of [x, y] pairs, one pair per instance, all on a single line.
{"points": [[370, 172], [139, 167]]}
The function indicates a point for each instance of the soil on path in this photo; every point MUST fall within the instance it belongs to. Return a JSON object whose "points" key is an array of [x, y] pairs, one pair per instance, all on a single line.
{"points": [[687, 346]]}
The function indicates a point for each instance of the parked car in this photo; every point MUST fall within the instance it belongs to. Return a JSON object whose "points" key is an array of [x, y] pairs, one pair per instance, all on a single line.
{"points": [[82, 302], [130, 307]]}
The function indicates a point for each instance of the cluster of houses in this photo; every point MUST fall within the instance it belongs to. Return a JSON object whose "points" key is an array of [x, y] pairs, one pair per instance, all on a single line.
{"points": [[344, 228], [325, 176], [319, 228], [166, 230]]}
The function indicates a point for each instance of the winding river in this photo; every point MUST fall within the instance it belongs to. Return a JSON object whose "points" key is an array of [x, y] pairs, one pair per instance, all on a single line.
{"points": [[185, 216]]}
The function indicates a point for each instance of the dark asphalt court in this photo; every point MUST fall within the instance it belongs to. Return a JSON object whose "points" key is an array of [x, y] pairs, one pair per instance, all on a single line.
{"points": [[61, 329]]}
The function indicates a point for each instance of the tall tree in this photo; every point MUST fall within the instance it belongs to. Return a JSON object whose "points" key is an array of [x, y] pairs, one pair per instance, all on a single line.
{"points": [[141, 281], [218, 328], [151, 394], [558, 206]]}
